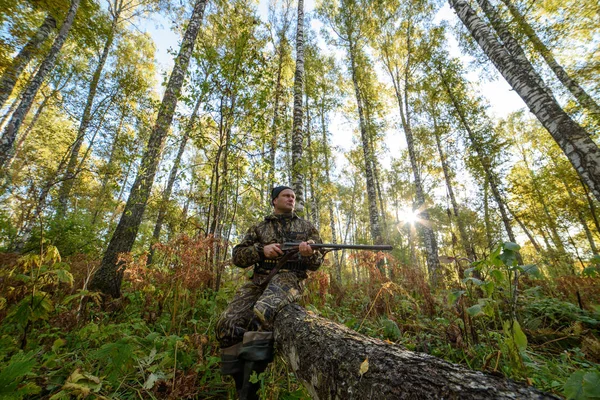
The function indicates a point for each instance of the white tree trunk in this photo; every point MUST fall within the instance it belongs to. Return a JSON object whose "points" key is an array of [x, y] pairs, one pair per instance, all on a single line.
{"points": [[574, 141]]}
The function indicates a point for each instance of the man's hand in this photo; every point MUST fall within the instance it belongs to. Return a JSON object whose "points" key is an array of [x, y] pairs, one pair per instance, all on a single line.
{"points": [[273, 250], [305, 250]]}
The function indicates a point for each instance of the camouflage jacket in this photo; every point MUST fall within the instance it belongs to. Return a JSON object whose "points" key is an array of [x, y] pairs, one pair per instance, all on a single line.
{"points": [[277, 229]]}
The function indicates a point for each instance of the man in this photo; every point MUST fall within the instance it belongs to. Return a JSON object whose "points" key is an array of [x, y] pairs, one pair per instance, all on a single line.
{"points": [[244, 330]]}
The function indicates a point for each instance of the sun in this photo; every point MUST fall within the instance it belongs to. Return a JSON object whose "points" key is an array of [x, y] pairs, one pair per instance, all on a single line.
{"points": [[408, 215]]}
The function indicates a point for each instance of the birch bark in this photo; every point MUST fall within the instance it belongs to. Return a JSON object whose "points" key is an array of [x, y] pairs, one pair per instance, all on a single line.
{"points": [[298, 134], [109, 276], [574, 141], [563, 76], [11, 75], [16, 120]]}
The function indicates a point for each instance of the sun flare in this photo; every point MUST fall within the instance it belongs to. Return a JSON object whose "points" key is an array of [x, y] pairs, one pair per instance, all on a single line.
{"points": [[408, 215]]}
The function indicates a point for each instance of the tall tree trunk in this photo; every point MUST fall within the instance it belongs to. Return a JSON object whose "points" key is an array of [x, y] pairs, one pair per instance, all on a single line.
{"points": [[486, 213], [11, 75], [11, 130], [281, 46], [574, 141], [374, 163], [298, 136], [511, 45], [584, 99], [42, 198], [464, 238], [491, 177], [108, 169], [314, 203], [71, 172], [550, 218], [402, 94], [325, 144], [592, 206], [9, 112], [108, 278], [580, 216], [162, 211], [429, 240], [364, 134], [34, 120]]}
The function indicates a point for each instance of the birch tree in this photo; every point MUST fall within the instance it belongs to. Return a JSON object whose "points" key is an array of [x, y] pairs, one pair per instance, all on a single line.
{"points": [[119, 11], [10, 132], [349, 23], [582, 96], [11, 75], [108, 278], [574, 141], [398, 48], [297, 127]]}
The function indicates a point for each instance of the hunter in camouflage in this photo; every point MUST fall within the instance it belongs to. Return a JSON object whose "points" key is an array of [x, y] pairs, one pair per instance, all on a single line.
{"points": [[244, 328]]}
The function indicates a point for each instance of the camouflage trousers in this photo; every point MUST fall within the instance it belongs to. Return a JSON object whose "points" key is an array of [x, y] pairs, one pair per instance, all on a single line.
{"points": [[253, 307]]}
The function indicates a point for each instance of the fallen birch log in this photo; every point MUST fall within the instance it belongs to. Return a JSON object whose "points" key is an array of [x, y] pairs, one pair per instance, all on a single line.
{"points": [[335, 362]]}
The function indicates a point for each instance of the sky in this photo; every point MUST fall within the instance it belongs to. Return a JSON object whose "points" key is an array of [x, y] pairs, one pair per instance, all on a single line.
{"points": [[502, 99]]}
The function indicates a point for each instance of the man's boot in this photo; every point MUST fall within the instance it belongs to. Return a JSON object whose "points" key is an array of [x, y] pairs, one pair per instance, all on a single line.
{"points": [[232, 364], [257, 353]]}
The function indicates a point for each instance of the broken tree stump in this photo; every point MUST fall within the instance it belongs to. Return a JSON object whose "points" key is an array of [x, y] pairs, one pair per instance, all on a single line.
{"points": [[329, 359]]}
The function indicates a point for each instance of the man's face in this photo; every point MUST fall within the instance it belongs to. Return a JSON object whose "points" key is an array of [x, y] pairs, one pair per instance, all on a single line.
{"points": [[285, 202]]}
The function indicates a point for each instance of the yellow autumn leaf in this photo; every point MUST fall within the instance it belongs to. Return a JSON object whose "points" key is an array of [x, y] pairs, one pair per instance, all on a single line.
{"points": [[364, 367]]}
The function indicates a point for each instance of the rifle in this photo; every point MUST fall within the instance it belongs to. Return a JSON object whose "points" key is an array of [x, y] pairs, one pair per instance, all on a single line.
{"points": [[291, 248], [327, 247]]}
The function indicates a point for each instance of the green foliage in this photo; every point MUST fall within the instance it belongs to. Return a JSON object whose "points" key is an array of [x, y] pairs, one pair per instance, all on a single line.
{"points": [[12, 374], [583, 385], [160, 341]]}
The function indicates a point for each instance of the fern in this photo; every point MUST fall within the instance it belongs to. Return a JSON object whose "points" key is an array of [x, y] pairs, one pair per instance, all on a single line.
{"points": [[11, 375], [118, 357]]}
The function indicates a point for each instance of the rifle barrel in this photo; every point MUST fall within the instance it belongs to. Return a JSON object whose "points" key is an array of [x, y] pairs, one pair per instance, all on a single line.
{"points": [[342, 246]]}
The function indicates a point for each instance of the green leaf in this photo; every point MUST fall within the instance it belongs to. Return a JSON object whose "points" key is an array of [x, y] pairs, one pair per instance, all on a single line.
{"points": [[512, 246], [58, 343], [516, 333], [573, 388], [11, 375], [531, 269], [488, 287], [475, 281], [454, 295], [64, 276], [117, 357], [475, 310], [497, 275], [253, 377], [591, 384], [508, 257], [41, 306]]}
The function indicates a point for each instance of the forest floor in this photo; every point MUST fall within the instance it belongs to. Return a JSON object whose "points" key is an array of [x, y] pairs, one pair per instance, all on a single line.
{"points": [[60, 341]]}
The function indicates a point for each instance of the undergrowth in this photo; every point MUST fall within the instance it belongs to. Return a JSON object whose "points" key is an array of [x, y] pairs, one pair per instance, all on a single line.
{"points": [[60, 341]]}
